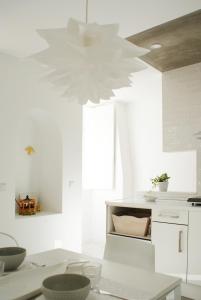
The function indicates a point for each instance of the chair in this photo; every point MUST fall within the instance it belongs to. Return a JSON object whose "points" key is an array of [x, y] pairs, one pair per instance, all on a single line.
{"points": [[130, 251]]}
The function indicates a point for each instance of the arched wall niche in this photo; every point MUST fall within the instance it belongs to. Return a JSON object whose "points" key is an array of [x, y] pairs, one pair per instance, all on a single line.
{"points": [[41, 172]]}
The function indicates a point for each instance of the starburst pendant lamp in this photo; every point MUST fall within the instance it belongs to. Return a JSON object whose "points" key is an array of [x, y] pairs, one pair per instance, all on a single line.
{"points": [[89, 61]]}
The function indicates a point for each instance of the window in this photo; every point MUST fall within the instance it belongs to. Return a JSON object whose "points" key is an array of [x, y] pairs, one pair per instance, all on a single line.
{"points": [[98, 146]]}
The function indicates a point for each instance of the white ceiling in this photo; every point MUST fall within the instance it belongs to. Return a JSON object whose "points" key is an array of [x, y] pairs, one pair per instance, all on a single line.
{"points": [[20, 18]]}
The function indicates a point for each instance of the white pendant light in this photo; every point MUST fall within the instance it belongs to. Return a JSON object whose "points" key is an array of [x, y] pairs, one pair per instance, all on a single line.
{"points": [[89, 60]]}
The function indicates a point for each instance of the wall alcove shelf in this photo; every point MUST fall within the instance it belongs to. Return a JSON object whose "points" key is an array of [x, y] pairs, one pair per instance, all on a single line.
{"points": [[39, 173], [38, 215]]}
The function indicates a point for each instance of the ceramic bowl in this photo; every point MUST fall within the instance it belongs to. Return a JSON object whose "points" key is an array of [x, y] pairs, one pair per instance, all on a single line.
{"points": [[12, 256], [150, 198], [66, 287]]}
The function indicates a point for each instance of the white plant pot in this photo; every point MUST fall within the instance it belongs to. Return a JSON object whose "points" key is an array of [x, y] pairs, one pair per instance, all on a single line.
{"points": [[163, 186]]}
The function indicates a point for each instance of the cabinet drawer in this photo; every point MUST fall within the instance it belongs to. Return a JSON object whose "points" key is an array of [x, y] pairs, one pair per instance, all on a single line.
{"points": [[166, 215]]}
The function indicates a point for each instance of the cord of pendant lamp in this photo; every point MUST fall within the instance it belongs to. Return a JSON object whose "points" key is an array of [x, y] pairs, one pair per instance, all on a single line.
{"points": [[86, 13], [10, 236]]}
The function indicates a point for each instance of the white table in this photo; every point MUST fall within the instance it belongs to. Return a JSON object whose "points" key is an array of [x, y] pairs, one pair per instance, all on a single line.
{"points": [[143, 284]]}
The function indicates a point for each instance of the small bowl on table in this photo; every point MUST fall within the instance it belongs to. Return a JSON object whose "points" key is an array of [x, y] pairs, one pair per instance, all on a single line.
{"points": [[150, 198], [66, 287], [12, 257]]}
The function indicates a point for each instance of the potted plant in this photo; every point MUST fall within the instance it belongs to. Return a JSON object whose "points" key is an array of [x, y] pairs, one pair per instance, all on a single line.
{"points": [[161, 181]]}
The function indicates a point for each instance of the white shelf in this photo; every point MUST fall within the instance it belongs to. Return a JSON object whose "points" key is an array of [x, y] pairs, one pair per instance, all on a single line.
{"points": [[39, 214]]}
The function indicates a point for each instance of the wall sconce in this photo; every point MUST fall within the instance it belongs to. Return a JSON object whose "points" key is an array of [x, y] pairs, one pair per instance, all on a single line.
{"points": [[29, 150]]}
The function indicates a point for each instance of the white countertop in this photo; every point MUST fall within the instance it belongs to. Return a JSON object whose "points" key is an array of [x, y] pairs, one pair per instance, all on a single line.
{"points": [[134, 202]]}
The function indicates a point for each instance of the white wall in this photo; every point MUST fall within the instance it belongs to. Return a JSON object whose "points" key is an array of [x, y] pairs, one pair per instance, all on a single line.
{"points": [[39, 174], [21, 92], [182, 111], [146, 127], [141, 148], [25, 175]]}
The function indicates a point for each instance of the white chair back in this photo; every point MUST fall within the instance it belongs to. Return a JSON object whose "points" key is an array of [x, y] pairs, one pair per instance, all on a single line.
{"points": [[130, 251]]}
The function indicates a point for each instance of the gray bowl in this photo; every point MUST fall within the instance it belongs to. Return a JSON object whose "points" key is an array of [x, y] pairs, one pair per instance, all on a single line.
{"points": [[66, 287], [12, 256]]}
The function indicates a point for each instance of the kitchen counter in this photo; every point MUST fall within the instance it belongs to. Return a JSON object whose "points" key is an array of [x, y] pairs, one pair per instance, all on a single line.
{"points": [[174, 234], [133, 202]]}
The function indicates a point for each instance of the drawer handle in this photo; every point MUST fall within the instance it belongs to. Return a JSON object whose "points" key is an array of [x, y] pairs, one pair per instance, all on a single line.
{"points": [[168, 216], [180, 241]]}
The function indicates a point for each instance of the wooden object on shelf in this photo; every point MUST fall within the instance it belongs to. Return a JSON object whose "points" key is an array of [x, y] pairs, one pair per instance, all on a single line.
{"points": [[27, 206]]}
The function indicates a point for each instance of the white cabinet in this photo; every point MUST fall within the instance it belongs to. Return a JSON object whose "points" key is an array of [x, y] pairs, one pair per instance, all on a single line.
{"points": [[175, 235], [170, 241], [194, 248]]}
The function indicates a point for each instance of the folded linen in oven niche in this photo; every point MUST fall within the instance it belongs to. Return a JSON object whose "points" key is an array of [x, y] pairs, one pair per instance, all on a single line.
{"points": [[131, 225]]}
